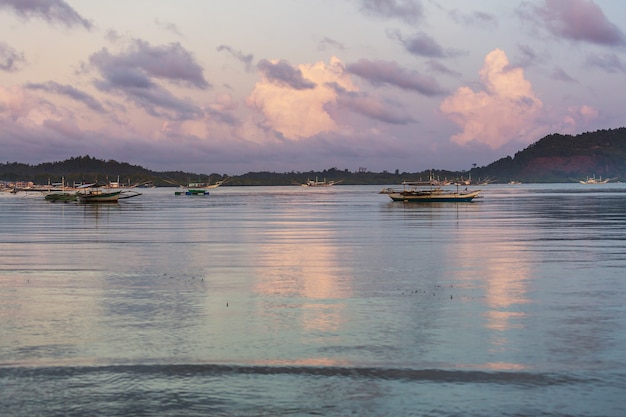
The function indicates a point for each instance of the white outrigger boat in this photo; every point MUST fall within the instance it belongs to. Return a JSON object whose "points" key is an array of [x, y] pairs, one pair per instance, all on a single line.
{"points": [[316, 183], [593, 180], [93, 193]]}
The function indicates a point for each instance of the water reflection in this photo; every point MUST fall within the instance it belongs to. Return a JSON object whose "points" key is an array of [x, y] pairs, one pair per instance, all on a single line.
{"points": [[302, 265]]}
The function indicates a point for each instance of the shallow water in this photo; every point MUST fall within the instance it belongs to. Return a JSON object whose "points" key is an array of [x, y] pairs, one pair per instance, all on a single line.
{"points": [[333, 301]]}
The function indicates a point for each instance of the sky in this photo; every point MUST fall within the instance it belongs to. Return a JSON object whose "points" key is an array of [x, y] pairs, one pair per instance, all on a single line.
{"points": [[239, 86]]}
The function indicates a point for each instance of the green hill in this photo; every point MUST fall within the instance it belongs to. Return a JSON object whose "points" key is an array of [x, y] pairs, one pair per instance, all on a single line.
{"points": [[559, 158]]}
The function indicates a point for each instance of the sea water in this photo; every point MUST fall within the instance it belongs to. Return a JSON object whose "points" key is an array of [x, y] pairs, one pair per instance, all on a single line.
{"points": [[273, 301]]}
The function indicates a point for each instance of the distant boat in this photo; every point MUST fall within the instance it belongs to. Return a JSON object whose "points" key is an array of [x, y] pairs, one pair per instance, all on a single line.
{"points": [[316, 183], [115, 184], [192, 192], [207, 185], [197, 188], [593, 180]]}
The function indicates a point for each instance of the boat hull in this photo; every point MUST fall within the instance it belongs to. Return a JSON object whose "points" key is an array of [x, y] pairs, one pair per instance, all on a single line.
{"points": [[64, 197]]}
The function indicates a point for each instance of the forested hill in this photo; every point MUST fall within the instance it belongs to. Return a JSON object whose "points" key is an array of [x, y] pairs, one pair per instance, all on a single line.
{"points": [[89, 169], [559, 158], [555, 158]]}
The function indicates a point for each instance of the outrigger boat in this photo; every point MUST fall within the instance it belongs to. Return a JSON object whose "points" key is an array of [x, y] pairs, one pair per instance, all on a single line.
{"points": [[93, 193], [192, 192], [64, 197], [316, 183], [58, 192], [593, 180], [414, 194], [197, 188], [199, 185]]}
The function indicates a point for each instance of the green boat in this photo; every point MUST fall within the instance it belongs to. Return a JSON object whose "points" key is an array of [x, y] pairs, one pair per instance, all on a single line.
{"points": [[60, 196], [90, 193]]}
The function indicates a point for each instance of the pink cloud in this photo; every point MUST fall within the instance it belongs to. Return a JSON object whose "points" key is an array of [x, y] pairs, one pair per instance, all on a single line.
{"points": [[579, 117], [293, 100], [503, 110]]}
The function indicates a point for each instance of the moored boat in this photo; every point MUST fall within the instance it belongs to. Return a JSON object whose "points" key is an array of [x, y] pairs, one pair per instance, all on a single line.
{"points": [[56, 196], [316, 183], [192, 192], [593, 180], [418, 192], [434, 196], [97, 195]]}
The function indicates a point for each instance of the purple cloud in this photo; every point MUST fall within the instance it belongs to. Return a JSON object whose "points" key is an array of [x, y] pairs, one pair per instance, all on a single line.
{"points": [[390, 73], [607, 62], [10, 59], [374, 109], [283, 73], [410, 11], [578, 20], [171, 62], [239, 56], [559, 74], [69, 91], [439, 68], [478, 19], [528, 56], [330, 43], [51, 11], [130, 74], [421, 44]]}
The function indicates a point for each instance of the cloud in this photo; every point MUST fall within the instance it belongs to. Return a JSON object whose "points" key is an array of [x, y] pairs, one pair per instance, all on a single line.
{"points": [[171, 62], [503, 110], [69, 91], [577, 20], [559, 74], [421, 44], [282, 73], [10, 59], [131, 73], [240, 56], [410, 11], [373, 109], [390, 73], [528, 56], [478, 19], [330, 43], [439, 68], [606, 62], [21, 110], [293, 101], [170, 27], [579, 117], [52, 11]]}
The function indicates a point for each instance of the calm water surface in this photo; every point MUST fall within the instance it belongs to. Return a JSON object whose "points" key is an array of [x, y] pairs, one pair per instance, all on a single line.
{"points": [[334, 301]]}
